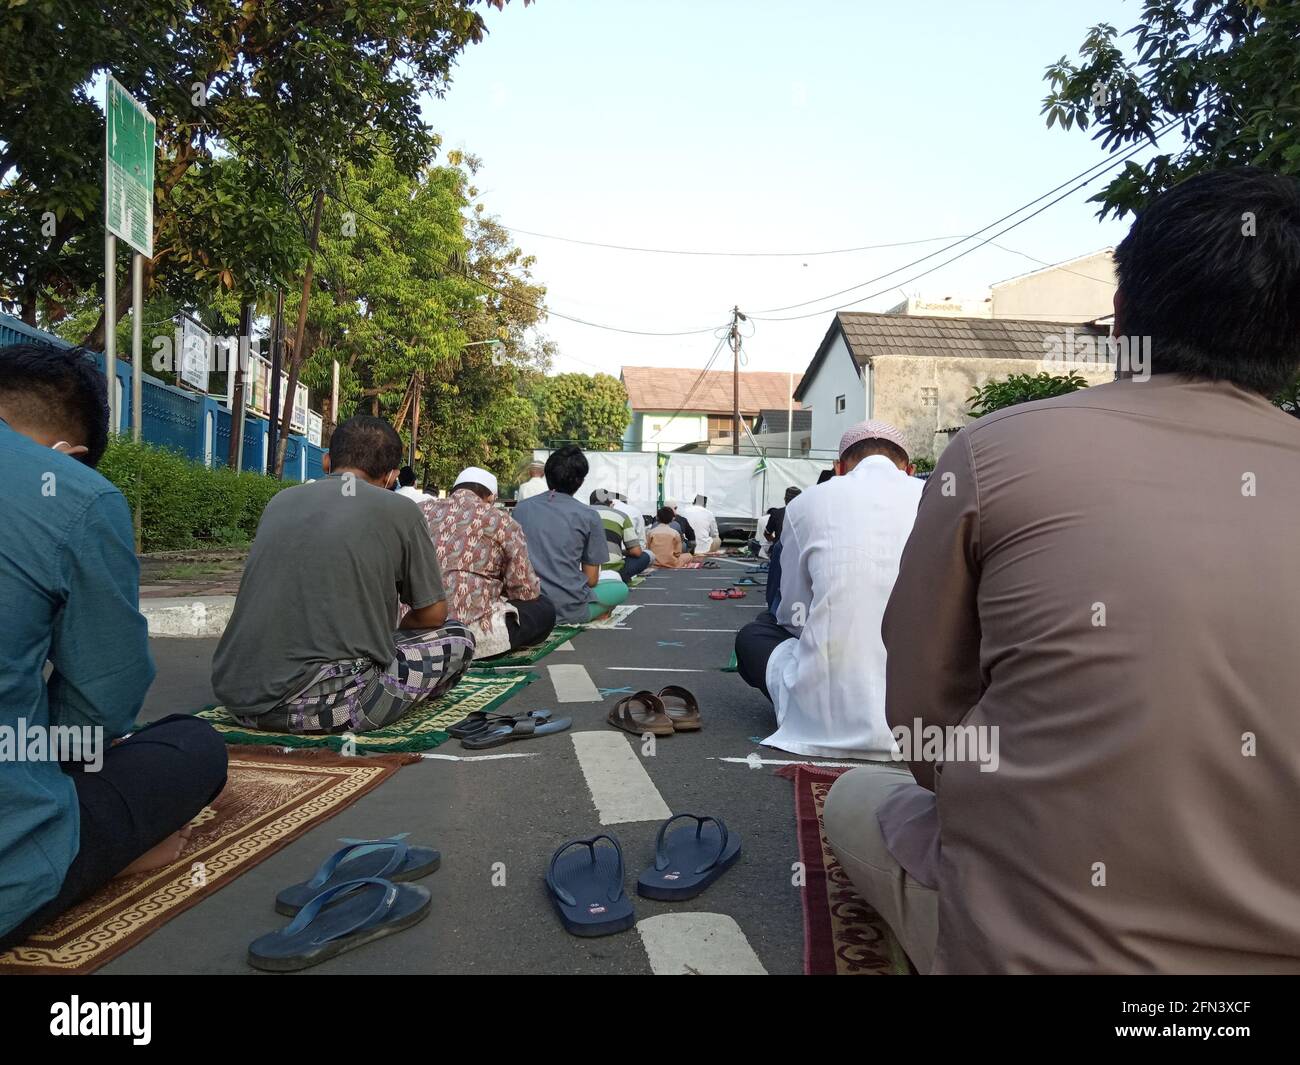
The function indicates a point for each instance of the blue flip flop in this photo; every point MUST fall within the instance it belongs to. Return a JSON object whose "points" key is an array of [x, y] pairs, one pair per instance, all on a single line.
{"points": [[366, 909], [514, 728], [587, 889], [361, 859], [687, 862]]}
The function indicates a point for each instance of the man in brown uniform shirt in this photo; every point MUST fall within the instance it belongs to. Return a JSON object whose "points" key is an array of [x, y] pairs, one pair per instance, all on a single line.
{"points": [[1111, 579]]}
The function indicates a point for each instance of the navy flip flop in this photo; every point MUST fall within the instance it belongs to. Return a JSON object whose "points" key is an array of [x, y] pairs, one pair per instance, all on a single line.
{"points": [[361, 859], [687, 862], [505, 731], [477, 720], [587, 889], [366, 909]]}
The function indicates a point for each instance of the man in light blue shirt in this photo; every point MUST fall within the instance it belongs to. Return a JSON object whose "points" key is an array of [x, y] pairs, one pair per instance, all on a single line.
{"points": [[76, 811]]}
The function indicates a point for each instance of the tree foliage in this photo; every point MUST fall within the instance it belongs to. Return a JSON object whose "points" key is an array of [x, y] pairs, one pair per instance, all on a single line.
{"points": [[1223, 74], [590, 410], [1020, 388]]}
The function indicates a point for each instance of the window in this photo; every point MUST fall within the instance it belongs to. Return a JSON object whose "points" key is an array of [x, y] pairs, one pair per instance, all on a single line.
{"points": [[929, 397], [719, 425], [840, 404]]}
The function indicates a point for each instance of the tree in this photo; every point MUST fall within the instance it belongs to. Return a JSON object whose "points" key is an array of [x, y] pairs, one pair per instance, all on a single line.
{"points": [[1226, 73], [1021, 388], [292, 91], [590, 410]]}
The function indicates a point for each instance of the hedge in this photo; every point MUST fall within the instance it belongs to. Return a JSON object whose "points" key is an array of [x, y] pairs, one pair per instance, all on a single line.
{"points": [[186, 504]]}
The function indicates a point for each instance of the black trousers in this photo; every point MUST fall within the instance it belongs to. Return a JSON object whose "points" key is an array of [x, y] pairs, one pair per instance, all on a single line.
{"points": [[754, 646], [148, 787], [535, 622], [632, 567]]}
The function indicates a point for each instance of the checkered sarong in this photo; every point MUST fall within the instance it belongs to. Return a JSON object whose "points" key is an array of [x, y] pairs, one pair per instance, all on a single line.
{"points": [[358, 696]]}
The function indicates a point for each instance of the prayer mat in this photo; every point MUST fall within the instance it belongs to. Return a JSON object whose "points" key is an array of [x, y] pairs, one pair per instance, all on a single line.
{"points": [[272, 798], [843, 936], [421, 729], [526, 656], [637, 581]]}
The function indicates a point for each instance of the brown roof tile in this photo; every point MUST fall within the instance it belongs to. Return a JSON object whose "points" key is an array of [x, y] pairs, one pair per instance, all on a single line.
{"points": [[656, 388]]}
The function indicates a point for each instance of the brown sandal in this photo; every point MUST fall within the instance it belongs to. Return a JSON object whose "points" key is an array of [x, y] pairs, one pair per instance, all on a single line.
{"points": [[682, 708], [641, 713]]}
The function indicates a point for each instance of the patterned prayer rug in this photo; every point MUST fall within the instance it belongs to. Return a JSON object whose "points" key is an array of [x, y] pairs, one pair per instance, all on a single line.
{"points": [[419, 730], [843, 936], [526, 656], [272, 797]]}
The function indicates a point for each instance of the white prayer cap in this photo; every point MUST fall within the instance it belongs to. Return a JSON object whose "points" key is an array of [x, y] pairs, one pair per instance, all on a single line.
{"points": [[477, 475]]}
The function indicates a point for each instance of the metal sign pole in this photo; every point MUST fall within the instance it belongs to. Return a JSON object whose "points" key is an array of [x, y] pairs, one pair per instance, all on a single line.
{"points": [[110, 330]]}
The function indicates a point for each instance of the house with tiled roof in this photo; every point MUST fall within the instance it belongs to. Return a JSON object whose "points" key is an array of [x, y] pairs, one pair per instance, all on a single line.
{"points": [[917, 372], [673, 407]]}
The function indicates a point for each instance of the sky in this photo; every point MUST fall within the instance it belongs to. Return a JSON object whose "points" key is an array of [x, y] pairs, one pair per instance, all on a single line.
{"points": [[766, 125]]}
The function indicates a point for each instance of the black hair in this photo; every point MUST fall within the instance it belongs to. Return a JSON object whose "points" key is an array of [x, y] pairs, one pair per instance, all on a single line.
{"points": [[56, 389], [367, 444], [406, 476], [480, 490], [825, 476], [1210, 271], [664, 515], [791, 492], [875, 446], [566, 469]]}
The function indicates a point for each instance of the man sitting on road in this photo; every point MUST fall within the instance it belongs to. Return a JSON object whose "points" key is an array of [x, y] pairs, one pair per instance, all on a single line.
{"points": [[70, 585], [534, 484], [704, 524], [821, 659], [490, 583], [1094, 626], [566, 542], [619, 502], [406, 485], [310, 646], [684, 526], [627, 555], [665, 541]]}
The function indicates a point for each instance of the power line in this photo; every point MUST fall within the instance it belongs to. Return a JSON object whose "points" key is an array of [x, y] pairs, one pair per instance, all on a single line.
{"points": [[727, 254]]}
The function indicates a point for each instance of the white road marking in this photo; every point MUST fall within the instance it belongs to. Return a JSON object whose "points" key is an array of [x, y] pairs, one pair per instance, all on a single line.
{"points": [[705, 630], [567, 645], [653, 669], [620, 787], [755, 760], [476, 757], [616, 617], [573, 684], [698, 944]]}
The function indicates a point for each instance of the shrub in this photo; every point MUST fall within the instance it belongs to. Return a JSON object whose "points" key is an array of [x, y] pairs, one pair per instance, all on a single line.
{"points": [[186, 504], [1021, 388]]}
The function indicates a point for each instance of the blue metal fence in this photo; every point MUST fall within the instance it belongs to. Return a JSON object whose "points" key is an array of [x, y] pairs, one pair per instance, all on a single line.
{"points": [[196, 426]]}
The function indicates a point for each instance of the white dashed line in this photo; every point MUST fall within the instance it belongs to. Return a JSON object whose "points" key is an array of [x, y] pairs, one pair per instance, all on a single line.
{"points": [[573, 684], [620, 787], [698, 944]]}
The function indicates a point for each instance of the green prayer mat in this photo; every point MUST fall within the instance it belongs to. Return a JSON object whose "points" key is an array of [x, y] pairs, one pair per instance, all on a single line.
{"points": [[526, 656], [421, 729], [732, 666]]}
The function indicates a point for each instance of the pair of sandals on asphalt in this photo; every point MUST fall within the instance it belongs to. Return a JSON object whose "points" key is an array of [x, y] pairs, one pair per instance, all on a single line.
{"points": [[359, 894], [728, 593], [587, 886], [673, 709], [480, 730]]}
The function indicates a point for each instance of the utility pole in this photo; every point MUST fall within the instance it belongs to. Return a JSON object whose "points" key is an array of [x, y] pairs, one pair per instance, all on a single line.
{"points": [[736, 319], [234, 457], [277, 358]]}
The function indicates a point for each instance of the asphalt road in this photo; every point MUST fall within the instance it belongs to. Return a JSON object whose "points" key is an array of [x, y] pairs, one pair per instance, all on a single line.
{"points": [[507, 816]]}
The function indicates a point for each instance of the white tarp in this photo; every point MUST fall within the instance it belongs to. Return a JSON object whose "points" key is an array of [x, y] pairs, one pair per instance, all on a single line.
{"points": [[786, 473], [731, 482], [634, 474]]}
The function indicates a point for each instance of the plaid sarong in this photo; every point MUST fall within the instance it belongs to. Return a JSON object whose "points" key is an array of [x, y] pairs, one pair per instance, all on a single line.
{"points": [[358, 696]]}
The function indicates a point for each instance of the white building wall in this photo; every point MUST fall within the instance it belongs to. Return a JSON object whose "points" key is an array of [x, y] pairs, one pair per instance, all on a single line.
{"points": [[664, 431], [837, 376]]}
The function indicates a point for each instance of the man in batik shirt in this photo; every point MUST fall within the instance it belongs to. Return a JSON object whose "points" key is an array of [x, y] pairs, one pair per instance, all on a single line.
{"points": [[490, 583]]}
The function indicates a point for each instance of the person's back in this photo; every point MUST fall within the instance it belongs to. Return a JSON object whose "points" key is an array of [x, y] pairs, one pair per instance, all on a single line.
{"points": [[66, 532], [840, 550], [665, 543], [1101, 595], [1132, 646]]}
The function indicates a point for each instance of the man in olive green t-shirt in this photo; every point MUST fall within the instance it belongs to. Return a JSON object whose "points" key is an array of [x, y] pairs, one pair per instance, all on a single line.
{"points": [[311, 645]]}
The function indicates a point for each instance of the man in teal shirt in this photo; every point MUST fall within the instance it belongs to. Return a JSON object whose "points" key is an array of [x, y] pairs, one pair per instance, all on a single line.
{"points": [[75, 810]]}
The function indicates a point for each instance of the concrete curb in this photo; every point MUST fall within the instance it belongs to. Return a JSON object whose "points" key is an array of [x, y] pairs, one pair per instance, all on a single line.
{"points": [[195, 617]]}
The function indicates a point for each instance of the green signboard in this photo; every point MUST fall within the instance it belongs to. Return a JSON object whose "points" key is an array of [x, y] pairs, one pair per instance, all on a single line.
{"points": [[130, 131]]}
